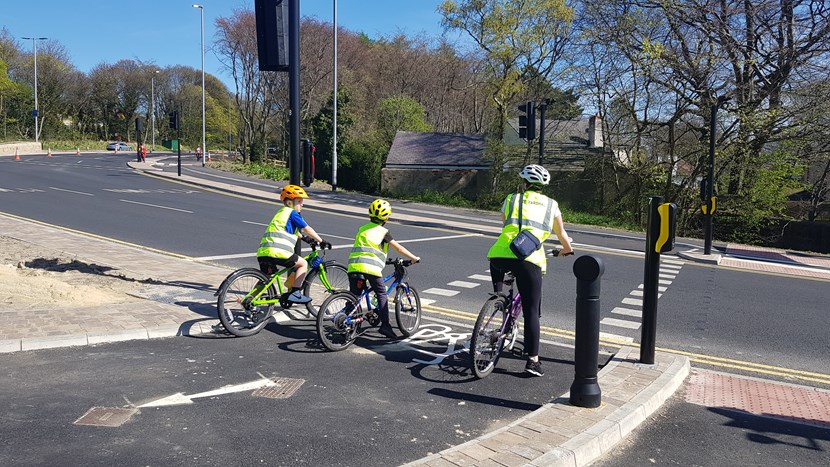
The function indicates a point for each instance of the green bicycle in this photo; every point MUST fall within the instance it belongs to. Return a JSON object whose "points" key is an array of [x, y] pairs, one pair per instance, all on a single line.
{"points": [[247, 297]]}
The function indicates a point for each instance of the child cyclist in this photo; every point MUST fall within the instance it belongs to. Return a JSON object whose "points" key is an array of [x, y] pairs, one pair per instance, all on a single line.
{"points": [[276, 250], [368, 257]]}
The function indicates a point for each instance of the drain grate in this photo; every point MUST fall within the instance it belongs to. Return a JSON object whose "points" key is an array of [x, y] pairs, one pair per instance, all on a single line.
{"points": [[283, 388], [106, 416]]}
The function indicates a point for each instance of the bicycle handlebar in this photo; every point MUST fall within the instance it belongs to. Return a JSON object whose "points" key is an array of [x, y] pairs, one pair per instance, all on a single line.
{"points": [[402, 262], [557, 252]]}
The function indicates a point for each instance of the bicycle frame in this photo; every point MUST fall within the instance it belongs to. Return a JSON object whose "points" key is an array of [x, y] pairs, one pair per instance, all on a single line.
{"points": [[515, 306], [311, 258], [396, 277]]}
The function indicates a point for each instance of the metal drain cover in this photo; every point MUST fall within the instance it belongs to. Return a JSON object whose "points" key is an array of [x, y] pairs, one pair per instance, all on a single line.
{"points": [[106, 416], [283, 388]]}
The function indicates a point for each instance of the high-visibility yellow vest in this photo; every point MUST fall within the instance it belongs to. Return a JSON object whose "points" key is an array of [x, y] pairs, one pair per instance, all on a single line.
{"points": [[537, 217], [277, 242], [367, 255]]}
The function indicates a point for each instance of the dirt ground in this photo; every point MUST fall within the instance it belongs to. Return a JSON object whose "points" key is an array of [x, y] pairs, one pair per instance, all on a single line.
{"points": [[33, 277]]}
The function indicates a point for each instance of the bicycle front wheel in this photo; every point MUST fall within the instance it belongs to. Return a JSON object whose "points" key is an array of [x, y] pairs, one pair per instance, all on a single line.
{"points": [[488, 336], [407, 309], [236, 313], [338, 281], [333, 326]]}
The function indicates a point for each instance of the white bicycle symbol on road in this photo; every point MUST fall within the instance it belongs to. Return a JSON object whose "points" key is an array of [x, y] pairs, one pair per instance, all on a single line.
{"points": [[437, 333]]}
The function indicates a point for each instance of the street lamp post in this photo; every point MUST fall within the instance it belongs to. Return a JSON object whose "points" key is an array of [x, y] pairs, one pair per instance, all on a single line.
{"points": [[202, 14], [334, 107], [152, 107], [34, 112]]}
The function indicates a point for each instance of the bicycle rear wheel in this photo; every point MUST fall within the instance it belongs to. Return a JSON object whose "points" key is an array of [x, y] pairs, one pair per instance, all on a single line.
{"points": [[488, 336], [337, 277], [236, 314], [332, 327], [407, 309]]}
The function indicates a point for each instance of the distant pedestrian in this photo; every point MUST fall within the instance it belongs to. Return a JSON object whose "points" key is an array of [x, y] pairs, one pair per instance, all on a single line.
{"points": [[143, 153]]}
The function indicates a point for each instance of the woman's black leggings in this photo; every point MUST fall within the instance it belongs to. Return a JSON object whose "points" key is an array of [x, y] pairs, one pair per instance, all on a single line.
{"points": [[529, 282]]}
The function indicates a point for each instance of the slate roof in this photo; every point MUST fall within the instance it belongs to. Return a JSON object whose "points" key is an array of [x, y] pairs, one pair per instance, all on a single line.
{"points": [[439, 150]]}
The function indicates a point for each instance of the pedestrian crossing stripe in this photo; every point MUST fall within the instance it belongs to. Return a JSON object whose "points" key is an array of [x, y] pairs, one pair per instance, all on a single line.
{"points": [[441, 292], [466, 285], [620, 323]]}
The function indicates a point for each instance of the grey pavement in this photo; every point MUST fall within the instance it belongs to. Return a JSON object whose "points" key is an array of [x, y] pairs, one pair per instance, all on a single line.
{"points": [[176, 298]]}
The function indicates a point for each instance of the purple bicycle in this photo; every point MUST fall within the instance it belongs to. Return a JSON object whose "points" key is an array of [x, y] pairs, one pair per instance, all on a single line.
{"points": [[497, 327]]}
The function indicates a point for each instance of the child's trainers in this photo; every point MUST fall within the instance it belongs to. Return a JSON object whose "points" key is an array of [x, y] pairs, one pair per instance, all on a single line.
{"points": [[534, 368], [297, 297], [387, 331]]}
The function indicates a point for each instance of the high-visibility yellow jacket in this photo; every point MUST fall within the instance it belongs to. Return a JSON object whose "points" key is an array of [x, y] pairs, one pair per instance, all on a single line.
{"points": [[538, 215], [367, 255], [277, 242]]}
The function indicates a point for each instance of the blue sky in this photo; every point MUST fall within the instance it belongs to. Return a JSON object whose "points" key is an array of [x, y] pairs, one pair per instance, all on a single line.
{"points": [[167, 32]]}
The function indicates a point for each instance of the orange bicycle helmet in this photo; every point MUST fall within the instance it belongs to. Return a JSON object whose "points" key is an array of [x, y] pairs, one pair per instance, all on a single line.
{"points": [[292, 192], [380, 209]]}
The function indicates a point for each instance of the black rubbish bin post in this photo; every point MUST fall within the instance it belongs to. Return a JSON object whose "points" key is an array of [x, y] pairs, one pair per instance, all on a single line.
{"points": [[585, 390]]}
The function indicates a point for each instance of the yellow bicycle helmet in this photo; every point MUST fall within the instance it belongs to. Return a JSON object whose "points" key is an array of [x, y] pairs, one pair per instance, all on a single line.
{"points": [[292, 192], [380, 209]]}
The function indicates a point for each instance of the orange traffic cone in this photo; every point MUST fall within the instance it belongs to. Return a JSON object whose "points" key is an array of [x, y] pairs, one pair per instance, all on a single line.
{"points": [[49, 154], [16, 154], [78, 152]]}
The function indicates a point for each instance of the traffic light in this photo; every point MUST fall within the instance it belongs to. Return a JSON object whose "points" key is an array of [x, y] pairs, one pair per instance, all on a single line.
{"points": [[308, 162], [174, 119], [527, 122], [272, 34]]}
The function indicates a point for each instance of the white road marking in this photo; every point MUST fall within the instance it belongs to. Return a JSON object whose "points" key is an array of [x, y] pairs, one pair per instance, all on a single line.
{"points": [[672, 261], [427, 301], [448, 237], [479, 277], [179, 398], [442, 292], [639, 293], [615, 337], [72, 191], [156, 206], [463, 284], [255, 223], [632, 301], [620, 323], [664, 282], [676, 267], [213, 258], [659, 287], [627, 312], [668, 276]]}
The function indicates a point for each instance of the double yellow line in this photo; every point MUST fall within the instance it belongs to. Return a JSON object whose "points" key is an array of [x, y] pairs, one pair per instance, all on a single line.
{"points": [[741, 365]]}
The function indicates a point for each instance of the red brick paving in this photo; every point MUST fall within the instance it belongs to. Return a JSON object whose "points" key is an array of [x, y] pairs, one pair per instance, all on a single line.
{"points": [[767, 398]]}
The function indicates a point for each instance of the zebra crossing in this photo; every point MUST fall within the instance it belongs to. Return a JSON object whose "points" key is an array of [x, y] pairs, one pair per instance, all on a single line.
{"points": [[626, 319]]}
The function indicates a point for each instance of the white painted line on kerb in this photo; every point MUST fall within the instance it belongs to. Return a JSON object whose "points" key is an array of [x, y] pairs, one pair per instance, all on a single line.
{"points": [[479, 277], [156, 206], [448, 237], [463, 284], [659, 287], [632, 301], [620, 323], [627, 312], [441, 292], [71, 191]]}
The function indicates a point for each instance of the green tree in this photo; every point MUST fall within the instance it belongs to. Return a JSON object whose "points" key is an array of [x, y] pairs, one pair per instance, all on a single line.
{"points": [[400, 113], [515, 36]]}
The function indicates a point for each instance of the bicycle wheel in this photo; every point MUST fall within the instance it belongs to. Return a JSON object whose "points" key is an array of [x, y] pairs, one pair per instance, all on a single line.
{"points": [[332, 327], [488, 336], [338, 279], [239, 317], [407, 309]]}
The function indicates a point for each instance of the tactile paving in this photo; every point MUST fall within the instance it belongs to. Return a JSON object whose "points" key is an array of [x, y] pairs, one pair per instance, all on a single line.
{"points": [[767, 398]]}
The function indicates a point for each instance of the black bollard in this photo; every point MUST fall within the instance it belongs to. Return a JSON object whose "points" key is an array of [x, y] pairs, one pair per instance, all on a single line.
{"points": [[585, 390]]}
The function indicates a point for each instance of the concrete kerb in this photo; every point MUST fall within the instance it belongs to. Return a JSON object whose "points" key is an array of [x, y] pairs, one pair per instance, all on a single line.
{"points": [[700, 257], [584, 434]]}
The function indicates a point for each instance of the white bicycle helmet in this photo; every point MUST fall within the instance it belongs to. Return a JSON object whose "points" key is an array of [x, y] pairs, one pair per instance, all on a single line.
{"points": [[535, 174]]}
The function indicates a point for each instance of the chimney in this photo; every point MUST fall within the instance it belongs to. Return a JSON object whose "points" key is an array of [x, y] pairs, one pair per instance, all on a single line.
{"points": [[595, 131]]}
